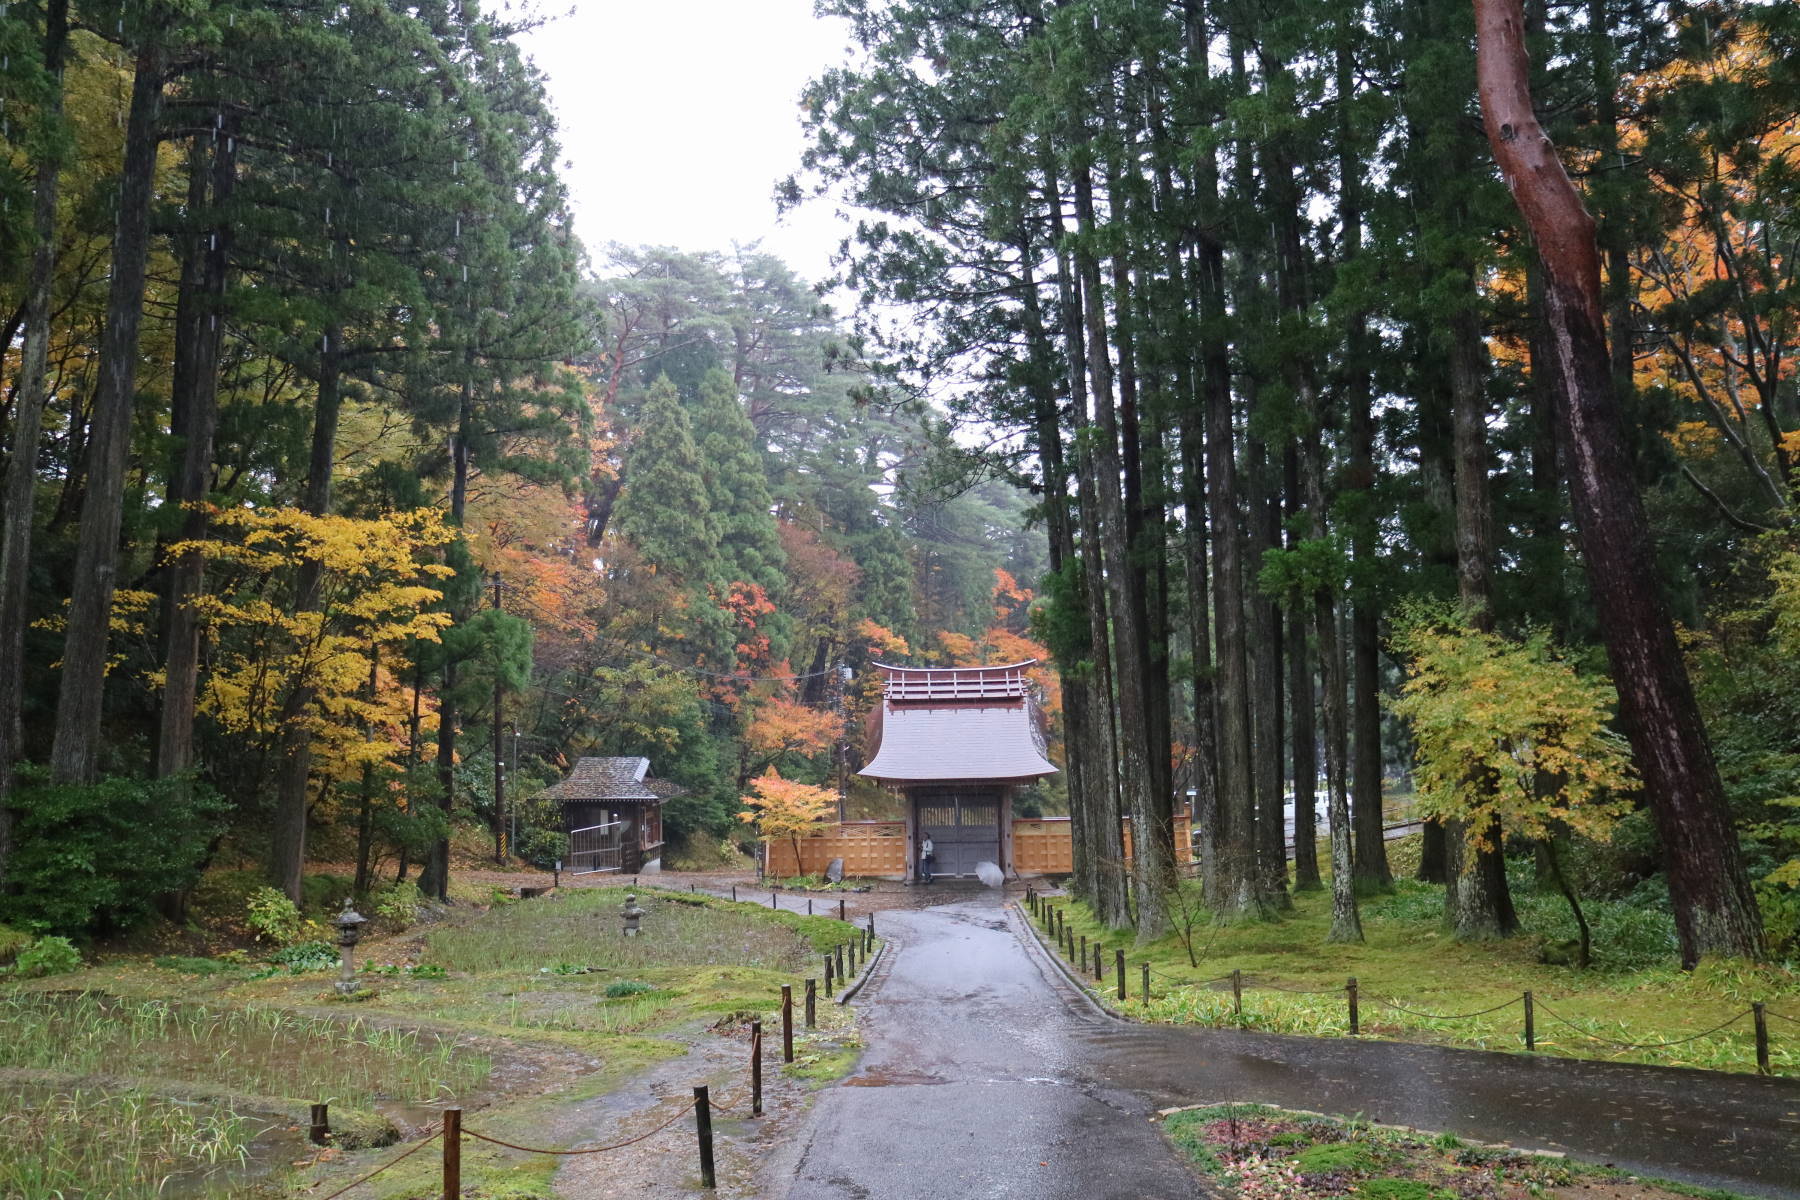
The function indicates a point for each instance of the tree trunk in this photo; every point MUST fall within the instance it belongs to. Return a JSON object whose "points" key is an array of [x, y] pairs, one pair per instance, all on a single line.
{"points": [[1267, 748], [294, 771], [1236, 890], [1371, 864], [1078, 736], [434, 879], [1300, 706], [75, 753], [1346, 919], [20, 486], [193, 419], [1477, 902], [1151, 851], [365, 814], [1715, 912]]}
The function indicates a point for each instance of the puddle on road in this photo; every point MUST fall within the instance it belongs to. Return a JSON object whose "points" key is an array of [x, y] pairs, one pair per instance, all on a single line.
{"points": [[881, 1078]]}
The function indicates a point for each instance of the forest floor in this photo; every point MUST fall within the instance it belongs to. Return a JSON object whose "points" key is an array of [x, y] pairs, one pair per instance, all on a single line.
{"points": [[535, 1017], [1415, 983]]}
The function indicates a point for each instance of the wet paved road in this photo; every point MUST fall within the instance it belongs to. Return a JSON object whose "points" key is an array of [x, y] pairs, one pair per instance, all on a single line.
{"points": [[987, 1076], [973, 1084]]}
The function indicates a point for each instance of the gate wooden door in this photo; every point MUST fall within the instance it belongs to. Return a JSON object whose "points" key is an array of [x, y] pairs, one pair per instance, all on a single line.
{"points": [[964, 828]]}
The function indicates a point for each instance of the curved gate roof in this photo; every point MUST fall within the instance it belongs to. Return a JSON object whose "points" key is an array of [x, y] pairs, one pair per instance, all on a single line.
{"points": [[957, 724]]}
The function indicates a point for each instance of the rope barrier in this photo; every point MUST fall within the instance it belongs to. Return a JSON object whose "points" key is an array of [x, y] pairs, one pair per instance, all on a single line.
{"points": [[398, 1158], [1249, 983], [1295, 991], [1156, 974], [1543, 1008], [1449, 1017], [680, 1113]]}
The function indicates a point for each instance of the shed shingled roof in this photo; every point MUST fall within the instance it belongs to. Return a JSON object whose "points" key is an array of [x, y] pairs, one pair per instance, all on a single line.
{"points": [[954, 724], [611, 779]]}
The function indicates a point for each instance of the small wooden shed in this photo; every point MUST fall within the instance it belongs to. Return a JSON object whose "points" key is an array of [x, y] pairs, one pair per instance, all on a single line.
{"points": [[612, 813], [956, 741]]}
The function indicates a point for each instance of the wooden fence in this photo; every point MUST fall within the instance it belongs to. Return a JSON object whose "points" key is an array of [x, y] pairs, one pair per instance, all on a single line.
{"points": [[877, 849], [870, 849]]}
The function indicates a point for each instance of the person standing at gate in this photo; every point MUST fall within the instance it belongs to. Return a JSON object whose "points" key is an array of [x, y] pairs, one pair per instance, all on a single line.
{"points": [[926, 858]]}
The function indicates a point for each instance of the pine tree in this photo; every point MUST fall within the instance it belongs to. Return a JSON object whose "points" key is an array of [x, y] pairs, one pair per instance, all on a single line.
{"points": [[665, 510], [737, 491]]}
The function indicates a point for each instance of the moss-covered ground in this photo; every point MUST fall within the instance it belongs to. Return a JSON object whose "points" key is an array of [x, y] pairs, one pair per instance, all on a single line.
{"points": [[1634, 993]]}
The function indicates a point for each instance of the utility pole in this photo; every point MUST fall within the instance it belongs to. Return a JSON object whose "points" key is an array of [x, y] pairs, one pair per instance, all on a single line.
{"points": [[499, 759]]}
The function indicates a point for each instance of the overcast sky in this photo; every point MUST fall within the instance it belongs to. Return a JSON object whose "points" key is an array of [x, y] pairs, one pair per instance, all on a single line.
{"points": [[679, 116]]}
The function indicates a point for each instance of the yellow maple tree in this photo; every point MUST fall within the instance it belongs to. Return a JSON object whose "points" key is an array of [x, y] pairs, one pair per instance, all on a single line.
{"points": [[785, 808], [376, 594]]}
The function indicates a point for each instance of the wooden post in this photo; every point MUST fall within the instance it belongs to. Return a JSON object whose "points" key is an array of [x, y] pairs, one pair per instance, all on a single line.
{"points": [[452, 1154], [1762, 1037], [871, 926], [1530, 1023], [703, 1131], [812, 1003], [828, 976], [1237, 992], [787, 1022], [321, 1124], [1099, 961], [734, 893], [840, 962], [1144, 991], [1119, 962], [809, 911], [772, 903], [1350, 992], [756, 1067], [1083, 958], [840, 908]]}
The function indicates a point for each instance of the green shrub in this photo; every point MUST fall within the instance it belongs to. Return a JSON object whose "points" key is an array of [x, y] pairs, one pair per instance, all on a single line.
{"points": [[628, 987], [47, 956], [306, 956], [400, 903], [94, 858], [11, 942], [273, 917], [324, 893]]}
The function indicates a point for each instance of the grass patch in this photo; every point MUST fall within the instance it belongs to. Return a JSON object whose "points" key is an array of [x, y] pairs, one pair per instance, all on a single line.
{"points": [[1257, 1152], [581, 927], [1635, 993], [485, 1015], [120, 1144], [264, 1051]]}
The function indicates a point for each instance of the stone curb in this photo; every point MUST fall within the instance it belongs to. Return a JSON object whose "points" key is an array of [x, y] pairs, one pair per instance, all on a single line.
{"points": [[846, 994], [1023, 917]]}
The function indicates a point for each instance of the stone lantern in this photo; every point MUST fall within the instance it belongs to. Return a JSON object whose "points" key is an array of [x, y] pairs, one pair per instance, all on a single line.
{"points": [[349, 926], [632, 914]]}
